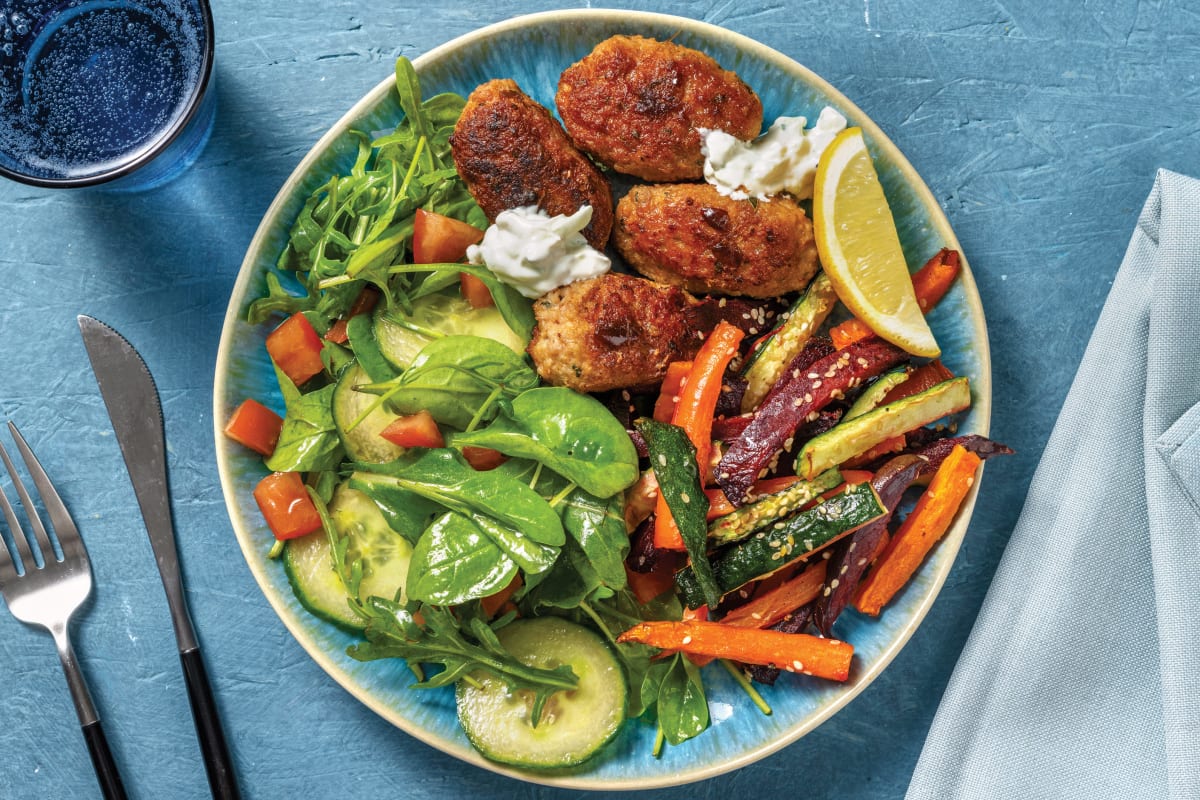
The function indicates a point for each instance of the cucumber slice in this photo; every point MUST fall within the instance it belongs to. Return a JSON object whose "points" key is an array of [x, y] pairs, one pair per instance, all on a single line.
{"points": [[402, 336], [574, 725], [362, 441], [385, 554]]}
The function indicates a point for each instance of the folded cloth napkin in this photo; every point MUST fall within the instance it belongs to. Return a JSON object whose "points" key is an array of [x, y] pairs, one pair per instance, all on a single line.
{"points": [[1081, 677]]}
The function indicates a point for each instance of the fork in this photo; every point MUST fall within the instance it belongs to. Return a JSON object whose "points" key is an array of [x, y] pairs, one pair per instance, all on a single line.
{"points": [[48, 595]]}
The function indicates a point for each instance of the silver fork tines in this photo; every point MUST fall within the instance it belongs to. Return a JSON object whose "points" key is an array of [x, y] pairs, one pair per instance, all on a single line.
{"points": [[47, 595]]}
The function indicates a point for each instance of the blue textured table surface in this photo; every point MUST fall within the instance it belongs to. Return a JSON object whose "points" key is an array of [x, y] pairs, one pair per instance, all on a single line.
{"points": [[1037, 126]]}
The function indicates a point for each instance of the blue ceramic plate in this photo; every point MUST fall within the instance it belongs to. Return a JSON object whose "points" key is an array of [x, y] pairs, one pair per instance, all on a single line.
{"points": [[534, 50]]}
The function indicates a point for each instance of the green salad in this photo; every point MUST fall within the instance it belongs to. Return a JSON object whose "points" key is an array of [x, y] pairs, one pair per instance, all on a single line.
{"points": [[414, 543]]}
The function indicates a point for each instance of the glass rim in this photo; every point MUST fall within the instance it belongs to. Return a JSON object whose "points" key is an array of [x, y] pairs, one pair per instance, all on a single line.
{"points": [[128, 167]]}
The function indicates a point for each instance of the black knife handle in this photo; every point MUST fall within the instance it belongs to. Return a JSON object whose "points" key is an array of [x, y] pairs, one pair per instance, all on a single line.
{"points": [[217, 763], [102, 760]]}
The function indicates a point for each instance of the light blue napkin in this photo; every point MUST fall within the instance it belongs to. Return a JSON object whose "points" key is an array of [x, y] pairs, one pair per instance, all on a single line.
{"points": [[1081, 677]]}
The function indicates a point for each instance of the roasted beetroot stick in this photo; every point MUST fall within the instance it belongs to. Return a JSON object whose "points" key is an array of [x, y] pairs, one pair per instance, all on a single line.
{"points": [[805, 387], [851, 555], [935, 453]]}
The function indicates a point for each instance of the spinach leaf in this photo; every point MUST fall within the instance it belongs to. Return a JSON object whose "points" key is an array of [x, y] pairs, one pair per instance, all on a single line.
{"points": [[507, 510], [681, 705], [596, 525], [673, 457], [454, 561], [455, 378], [571, 433], [309, 440], [360, 330]]}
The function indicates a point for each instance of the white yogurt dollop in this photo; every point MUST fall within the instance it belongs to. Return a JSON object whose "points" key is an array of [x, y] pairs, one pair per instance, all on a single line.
{"points": [[534, 252], [784, 159]]}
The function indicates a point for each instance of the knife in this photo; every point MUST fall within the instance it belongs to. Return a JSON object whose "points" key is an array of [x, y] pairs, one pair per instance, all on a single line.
{"points": [[136, 415]]}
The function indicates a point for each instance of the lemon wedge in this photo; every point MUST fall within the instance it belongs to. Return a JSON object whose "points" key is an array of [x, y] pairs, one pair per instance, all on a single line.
{"points": [[860, 249]]}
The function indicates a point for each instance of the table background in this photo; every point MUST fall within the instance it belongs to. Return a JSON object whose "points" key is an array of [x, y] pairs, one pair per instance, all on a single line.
{"points": [[1038, 126]]}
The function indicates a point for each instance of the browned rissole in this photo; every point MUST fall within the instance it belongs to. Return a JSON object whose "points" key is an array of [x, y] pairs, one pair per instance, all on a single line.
{"points": [[637, 105], [511, 152], [690, 235], [615, 331], [804, 388]]}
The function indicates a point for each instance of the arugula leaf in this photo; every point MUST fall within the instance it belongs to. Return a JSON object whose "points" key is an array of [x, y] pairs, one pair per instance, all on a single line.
{"points": [[393, 631], [278, 301], [571, 433], [454, 561], [309, 439], [514, 308]]}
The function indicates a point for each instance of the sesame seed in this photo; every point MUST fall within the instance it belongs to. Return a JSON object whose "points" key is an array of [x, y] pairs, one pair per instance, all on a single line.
{"points": [[685, 497], [756, 615], [808, 397], [816, 385], [686, 640], [862, 562], [662, 459], [827, 592], [833, 584], [798, 665], [825, 555], [806, 672], [842, 571], [853, 545], [813, 375]]}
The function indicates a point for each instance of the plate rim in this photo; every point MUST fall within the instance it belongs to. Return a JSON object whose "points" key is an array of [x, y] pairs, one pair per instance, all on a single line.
{"points": [[948, 547]]}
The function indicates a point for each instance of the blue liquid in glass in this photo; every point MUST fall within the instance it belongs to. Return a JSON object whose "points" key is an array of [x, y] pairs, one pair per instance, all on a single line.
{"points": [[88, 87]]}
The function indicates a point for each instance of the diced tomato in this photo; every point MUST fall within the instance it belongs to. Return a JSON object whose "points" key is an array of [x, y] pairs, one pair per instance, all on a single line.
{"points": [[475, 291], [438, 239], [672, 384], [255, 426], [483, 458], [648, 585], [494, 603], [362, 304], [286, 506], [415, 430], [296, 348]]}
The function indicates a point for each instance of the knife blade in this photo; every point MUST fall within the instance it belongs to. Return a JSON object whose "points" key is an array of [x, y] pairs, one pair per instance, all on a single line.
{"points": [[134, 409]]}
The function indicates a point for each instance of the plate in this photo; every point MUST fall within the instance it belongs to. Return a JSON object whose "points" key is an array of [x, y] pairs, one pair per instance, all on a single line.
{"points": [[534, 50]]}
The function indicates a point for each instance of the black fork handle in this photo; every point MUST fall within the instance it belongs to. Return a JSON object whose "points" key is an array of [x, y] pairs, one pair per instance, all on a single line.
{"points": [[102, 760], [217, 763]]}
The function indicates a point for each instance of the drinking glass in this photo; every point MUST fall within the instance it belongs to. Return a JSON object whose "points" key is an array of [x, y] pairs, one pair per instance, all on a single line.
{"points": [[109, 92]]}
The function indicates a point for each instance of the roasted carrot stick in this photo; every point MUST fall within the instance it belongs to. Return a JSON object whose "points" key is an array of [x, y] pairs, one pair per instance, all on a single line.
{"points": [[677, 372], [923, 377], [794, 652], [926, 524], [764, 610], [694, 413], [930, 283]]}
